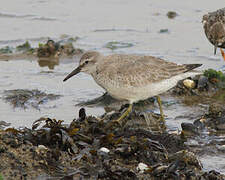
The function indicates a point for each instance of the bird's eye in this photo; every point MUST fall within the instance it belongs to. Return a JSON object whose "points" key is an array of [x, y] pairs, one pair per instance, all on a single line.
{"points": [[86, 62]]}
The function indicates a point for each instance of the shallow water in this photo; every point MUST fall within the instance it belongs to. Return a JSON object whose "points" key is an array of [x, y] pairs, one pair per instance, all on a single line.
{"points": [[98, 22], [35, 77]]}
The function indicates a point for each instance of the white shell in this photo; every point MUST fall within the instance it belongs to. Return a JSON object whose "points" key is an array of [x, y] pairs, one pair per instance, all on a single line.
{"points": [[142, 167], [103, 149]]}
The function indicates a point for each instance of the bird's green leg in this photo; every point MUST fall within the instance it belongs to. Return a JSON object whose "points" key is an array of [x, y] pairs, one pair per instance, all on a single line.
{"points": [[125, 114], [118, 121], [160, 107], [222, 54]]}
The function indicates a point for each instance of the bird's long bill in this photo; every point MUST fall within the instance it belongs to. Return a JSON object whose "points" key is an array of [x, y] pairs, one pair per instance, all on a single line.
{"points": [[74, 72]]}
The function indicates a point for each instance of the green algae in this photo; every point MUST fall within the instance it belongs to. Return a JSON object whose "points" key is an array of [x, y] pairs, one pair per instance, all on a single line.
{"points": [[24, 47], [6, 50], [164, 31], [113, 45], [213, 74]]}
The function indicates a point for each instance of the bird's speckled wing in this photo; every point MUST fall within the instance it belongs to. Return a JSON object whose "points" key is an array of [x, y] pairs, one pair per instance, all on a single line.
{"points": [[130, 70]]}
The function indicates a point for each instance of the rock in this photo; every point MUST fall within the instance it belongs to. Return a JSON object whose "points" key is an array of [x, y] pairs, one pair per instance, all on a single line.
{"points": [[202, 83], [171, 14], [189, 83]]}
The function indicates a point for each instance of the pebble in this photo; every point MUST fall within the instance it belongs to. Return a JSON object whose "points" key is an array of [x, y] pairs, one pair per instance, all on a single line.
{"points": [[189, 83], [41, 149], [103, 149], [142, 167]]}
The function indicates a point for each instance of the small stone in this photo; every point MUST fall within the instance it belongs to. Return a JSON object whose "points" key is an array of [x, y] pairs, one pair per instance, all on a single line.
{"points": [[42, 147], [189, 83], [142, 167], [171, 14], [103, 149]]}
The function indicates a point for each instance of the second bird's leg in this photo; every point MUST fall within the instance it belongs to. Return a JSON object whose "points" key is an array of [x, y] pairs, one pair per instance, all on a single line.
{"points": [[222, 54], [125, 114], [160, 107], [118, 121]]}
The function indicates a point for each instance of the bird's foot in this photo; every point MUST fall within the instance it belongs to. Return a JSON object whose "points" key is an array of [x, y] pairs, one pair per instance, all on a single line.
{"points": [[120, 121]]}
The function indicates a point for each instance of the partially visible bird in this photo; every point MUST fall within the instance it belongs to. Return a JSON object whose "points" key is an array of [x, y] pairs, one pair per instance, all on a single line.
{"points": [[214, 26]]}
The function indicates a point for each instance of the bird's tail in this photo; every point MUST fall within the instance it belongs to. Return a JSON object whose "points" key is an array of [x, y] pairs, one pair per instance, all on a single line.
{"points": [[189, 67]]}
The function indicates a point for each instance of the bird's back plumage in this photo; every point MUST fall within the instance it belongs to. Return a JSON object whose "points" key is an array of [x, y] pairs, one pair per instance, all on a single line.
{"points": [[132, 70]]}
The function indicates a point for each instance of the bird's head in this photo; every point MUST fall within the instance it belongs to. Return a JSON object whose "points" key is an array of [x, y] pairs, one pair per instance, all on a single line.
{"points": [[87, 64]]}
